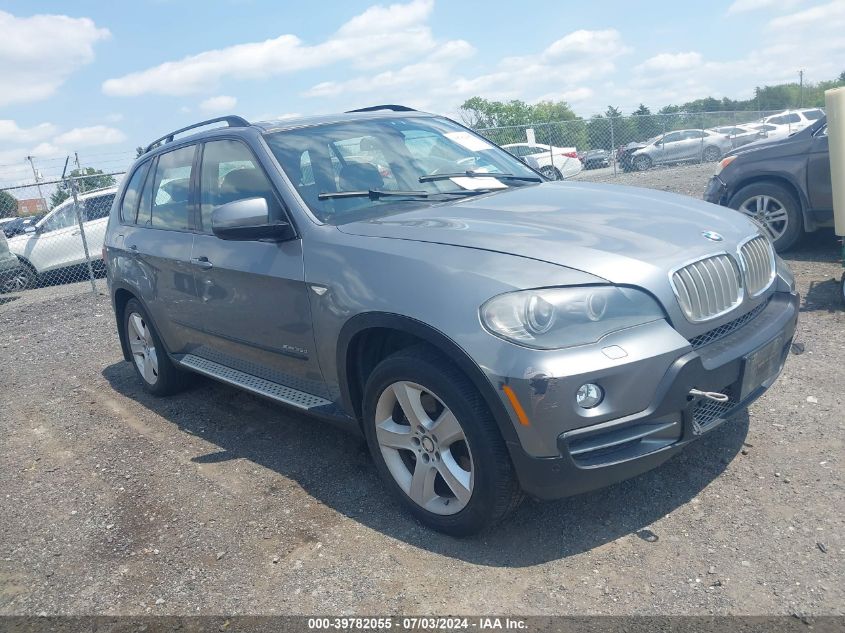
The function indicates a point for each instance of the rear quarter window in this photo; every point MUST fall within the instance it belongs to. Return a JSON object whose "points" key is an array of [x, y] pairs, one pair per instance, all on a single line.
{"points": [[129, 204]]}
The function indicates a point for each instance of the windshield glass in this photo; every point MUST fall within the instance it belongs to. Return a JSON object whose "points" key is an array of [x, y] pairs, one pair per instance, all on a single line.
{"points": [[399, 155]]}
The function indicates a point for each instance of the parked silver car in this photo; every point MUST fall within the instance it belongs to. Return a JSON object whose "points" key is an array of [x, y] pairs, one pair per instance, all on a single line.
{"points": [[681, 146], [490, 334]]}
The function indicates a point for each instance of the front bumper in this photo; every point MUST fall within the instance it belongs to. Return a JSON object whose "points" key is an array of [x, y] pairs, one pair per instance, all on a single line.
{"points": [[598, 455], [9, 267], [716, 191]]}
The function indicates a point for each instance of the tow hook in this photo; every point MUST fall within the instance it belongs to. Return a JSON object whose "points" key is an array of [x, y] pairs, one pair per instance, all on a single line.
{"points": [[715, 396]]}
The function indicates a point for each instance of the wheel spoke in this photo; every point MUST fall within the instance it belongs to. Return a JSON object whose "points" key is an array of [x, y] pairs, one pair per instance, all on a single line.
{"points": [[153, 359], [149, 375], [447, 429], [422, 483], [410, 400], [138, 325], [458, 480], [136, 345], [392, 435]]}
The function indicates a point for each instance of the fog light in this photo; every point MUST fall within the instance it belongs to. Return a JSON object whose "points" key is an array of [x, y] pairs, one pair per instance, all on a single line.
{"points": [[589, 395]]}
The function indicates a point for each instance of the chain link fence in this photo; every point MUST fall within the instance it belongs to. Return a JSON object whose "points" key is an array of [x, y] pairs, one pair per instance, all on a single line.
{"points": [[52, 232], [609, 148]]}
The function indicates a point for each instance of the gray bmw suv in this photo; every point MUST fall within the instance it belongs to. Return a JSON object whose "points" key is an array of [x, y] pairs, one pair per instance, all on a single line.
{"points": [[490, 334]]}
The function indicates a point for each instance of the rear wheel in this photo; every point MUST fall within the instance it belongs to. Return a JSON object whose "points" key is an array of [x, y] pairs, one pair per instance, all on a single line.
{"points": [[551, 173], [157, 372], [436, 445], [711, 154], [774, 208]]}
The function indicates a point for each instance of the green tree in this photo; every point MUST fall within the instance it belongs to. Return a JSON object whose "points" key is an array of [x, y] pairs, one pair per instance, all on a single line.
{"points": [[645, 123], [8, 205], [93, 179]]}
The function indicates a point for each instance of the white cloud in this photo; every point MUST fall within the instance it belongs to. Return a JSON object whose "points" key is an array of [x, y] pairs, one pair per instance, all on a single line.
{"points": [[11, 133], [380, 36], [37, 54], [670, 62], [565, 64], [743, 6], [221, 103], [90, 136]]}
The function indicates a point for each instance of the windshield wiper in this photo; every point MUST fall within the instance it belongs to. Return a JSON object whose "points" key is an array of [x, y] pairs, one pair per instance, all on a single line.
{"points": [[478, 174], [372, 194]]}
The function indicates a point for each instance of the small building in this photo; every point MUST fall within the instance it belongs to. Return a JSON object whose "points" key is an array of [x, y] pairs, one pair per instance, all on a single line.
{"points": [[31, 206]]}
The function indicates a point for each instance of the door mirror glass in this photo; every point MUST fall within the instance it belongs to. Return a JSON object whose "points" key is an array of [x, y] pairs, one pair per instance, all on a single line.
{"points": [[247, 220]]}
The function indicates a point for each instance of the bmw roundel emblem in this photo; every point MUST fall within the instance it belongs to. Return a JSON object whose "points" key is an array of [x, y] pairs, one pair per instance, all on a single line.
{"points": [[712, 236]]}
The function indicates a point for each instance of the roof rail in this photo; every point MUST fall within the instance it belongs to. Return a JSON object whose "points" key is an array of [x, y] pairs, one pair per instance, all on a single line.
{"points": [[232, 120], [389, 106]]}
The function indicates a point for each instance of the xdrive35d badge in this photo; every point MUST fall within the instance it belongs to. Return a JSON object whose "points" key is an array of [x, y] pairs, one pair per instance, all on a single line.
{"points": [[489, 333]]}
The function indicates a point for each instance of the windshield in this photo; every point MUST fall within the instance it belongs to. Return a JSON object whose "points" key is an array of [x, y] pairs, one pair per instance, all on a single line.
{"points": [[405, 161]]}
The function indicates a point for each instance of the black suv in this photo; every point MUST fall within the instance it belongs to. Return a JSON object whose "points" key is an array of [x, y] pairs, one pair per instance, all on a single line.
{"points": [[783, 185]]}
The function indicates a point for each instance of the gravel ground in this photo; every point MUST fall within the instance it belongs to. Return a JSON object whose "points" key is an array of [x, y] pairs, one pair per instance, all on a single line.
{"points": [[213, 501]]}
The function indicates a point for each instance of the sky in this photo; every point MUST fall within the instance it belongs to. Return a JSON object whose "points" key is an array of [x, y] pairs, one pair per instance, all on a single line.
{"points": [[100, 78]]}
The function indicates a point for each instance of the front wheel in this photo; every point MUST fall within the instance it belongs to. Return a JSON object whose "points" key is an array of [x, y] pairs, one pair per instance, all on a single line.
{"points": [[642, 163], [436, 445], [774, 208], [842, 289], [551, 173]]}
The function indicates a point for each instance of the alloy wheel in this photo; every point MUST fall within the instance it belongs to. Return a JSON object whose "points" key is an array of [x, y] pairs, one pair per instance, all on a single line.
{"points": [[21, 281], [769, 213], [143, 349], [424, 448]]}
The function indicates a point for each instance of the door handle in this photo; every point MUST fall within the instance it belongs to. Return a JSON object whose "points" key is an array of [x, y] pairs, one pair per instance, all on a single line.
{"points": [[76, 232], [201, 262]]}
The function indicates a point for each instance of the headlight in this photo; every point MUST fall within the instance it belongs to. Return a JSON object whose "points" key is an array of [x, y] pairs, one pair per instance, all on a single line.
{"points": [[727, 160], [552, 318]]}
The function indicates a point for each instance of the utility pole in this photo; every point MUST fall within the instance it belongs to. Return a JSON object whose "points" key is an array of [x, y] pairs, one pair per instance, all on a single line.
{"points": [[76, 160], [37, 183], [801, 88]]}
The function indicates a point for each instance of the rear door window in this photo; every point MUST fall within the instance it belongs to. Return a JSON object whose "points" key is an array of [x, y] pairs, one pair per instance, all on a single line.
{"points": [[98, 207], [172, 188]]}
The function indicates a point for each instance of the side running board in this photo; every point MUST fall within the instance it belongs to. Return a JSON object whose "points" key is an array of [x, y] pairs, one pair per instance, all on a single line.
{"points": [[254, 384]]}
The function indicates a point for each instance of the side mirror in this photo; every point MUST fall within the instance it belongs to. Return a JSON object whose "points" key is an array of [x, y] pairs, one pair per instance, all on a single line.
{"points": [[246, 220]]}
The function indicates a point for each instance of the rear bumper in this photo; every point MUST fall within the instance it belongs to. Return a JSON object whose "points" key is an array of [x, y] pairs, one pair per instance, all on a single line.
{"points": [[602, 454]]}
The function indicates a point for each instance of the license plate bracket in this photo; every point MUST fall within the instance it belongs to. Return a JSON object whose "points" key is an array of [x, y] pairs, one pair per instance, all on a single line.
{"points": [[761, 365]]}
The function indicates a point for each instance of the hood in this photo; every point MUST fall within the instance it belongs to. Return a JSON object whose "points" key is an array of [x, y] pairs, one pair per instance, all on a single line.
{"points": [[625, 235]]}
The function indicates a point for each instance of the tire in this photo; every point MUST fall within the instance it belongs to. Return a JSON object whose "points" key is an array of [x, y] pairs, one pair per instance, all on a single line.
{"points": [[642, 162], [774, 208], [406, 449], [24, 278], [158, 375], [711, 154], [552, 173], [842, 289]]}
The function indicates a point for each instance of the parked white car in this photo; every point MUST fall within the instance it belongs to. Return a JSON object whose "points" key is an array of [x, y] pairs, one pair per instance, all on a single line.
{"points": [[55, 242], [556, 163], [794, 120]]}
